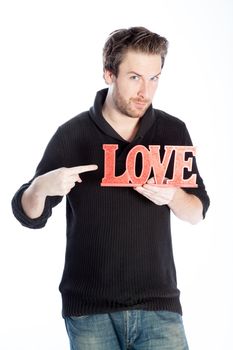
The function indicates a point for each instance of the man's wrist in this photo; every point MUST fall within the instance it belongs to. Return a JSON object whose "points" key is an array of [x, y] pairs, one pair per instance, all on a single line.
{"points": [[37, 188]]}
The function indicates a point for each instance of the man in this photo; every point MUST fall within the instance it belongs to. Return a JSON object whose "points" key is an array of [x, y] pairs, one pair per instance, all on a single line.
{"points": [[119, 287]]}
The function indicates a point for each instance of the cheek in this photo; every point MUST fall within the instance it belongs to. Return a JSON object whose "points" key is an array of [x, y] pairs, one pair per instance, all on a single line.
{"points": [[127, 89], [125, 95], [153, 90]]}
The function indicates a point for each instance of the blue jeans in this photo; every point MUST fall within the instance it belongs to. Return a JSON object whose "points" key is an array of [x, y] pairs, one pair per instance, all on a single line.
{"points": [[134, 329]]}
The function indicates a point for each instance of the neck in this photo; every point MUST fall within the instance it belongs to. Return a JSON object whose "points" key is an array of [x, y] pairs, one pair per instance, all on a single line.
{"points": [[125, 126]]}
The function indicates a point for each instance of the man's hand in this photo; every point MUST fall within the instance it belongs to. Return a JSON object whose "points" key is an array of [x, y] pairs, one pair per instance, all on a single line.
{"points": [[185, 206], [57, 182], [160, 195]]}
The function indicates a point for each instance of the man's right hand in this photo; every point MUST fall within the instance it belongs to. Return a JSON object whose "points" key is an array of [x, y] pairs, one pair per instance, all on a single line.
{"points": [[57, 182]]}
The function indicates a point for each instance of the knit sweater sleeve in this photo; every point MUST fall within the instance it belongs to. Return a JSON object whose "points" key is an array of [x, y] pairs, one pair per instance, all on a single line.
{"points": [[53, 158], [199, 191]]}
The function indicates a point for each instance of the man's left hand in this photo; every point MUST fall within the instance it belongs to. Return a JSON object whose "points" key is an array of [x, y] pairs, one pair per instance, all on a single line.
{"points": [[160, 195]]}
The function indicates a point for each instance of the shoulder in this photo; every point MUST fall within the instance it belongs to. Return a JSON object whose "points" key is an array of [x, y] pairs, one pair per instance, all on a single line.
{"points": [[76, 122], [170, 129], [168, 119], [73, 129]]}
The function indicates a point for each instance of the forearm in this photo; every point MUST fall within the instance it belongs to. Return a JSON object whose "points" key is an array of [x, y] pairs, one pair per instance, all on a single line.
{"points": [[186, 206], [33, 200]]}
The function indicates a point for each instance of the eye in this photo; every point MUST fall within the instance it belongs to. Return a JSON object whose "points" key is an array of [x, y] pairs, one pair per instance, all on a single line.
{"points": [[155, 78], [134, 77]]}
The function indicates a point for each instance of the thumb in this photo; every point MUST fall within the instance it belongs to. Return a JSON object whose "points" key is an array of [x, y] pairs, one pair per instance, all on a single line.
{"points": [[151, 181], [165, 180]]}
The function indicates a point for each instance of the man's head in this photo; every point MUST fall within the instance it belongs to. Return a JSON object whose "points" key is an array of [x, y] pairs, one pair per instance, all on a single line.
{"points": [[138, 39], [133, 60]]}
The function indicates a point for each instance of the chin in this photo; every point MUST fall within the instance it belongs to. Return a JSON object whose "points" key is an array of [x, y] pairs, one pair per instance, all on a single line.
{"points": [[139, 114], [136, 115]]}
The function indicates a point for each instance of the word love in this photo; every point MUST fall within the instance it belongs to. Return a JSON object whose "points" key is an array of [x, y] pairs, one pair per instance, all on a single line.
{"points": [[151, 161]]}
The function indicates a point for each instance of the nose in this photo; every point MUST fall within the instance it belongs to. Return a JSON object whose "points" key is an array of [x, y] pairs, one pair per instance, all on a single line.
{"points": [[143, 91]]}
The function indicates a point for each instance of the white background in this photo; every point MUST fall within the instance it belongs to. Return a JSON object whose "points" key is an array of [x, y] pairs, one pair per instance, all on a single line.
{"points": [[50, 71]]}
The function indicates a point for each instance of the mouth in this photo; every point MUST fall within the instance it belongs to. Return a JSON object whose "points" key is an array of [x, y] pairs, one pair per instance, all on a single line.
{"points": [[140, 105]]}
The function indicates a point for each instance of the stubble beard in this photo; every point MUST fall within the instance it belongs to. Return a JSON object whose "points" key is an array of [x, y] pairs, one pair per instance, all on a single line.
{"points": [[125, 107]]}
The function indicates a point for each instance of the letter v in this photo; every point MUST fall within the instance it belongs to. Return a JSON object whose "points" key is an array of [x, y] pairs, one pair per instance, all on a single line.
{"points": [[160, 168]]}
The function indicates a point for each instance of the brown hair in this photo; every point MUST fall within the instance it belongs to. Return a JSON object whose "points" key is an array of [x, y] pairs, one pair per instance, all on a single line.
{"points": [[135, 38]]}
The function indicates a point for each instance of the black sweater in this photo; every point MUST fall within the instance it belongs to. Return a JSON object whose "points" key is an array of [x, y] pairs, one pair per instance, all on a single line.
{"points": [[119, 249]]}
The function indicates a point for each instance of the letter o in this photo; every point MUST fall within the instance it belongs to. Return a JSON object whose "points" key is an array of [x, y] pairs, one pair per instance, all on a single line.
{"points": [[131, 163]]}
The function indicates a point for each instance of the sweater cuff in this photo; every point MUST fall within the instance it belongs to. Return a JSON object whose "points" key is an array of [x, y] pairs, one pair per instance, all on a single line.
{"points": [[202, 196], [21, 215]]}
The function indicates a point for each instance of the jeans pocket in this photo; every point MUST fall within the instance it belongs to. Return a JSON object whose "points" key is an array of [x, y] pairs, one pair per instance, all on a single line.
{"points": [[77, 318], [169, 316]]}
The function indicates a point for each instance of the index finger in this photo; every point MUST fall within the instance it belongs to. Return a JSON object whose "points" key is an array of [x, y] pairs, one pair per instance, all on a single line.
{"points": [[82, 169]]}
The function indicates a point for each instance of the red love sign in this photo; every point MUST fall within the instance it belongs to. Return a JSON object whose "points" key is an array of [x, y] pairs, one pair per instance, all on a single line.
{"points": [[150, 161]]}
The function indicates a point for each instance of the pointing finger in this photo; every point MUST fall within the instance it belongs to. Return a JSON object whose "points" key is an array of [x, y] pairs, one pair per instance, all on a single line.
{"points": [[82, 169]]}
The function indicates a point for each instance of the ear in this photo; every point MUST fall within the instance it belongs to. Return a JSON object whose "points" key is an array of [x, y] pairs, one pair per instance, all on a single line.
{"points": [[108, 77]]}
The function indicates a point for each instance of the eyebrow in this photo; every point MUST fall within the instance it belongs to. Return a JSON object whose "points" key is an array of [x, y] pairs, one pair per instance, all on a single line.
{"points": [[135, 73]]}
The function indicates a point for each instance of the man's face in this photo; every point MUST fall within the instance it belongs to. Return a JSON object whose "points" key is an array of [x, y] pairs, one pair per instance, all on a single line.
{"points": [[133, 90]]}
